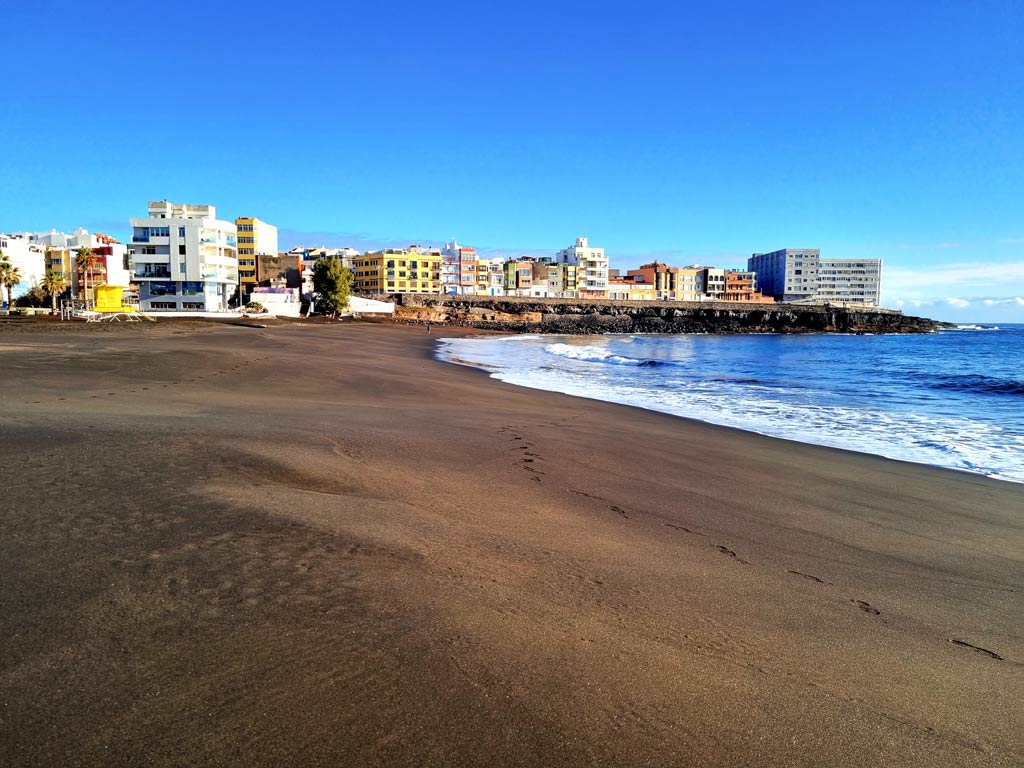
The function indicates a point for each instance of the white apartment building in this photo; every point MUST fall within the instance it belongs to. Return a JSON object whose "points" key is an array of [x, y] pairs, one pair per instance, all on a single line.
{"points": [[184, 258], [28, 257], [592, 268], [857, 281], [714, 283]]}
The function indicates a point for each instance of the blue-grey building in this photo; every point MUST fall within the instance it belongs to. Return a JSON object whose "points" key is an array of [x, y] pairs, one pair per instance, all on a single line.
{"points": [[800, 274]]}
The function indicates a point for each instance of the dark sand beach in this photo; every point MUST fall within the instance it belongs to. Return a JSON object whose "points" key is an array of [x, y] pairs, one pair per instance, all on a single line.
{"points": [[317, 545]]}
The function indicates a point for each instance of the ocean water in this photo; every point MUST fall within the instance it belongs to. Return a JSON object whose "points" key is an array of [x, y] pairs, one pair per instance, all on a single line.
{"points": [[952, 399]]}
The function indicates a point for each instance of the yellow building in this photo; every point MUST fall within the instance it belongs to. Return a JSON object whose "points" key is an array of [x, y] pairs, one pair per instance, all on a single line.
{"points": [[625, 289], [689, 284], [255, 238], [483, 277], [61, 260], [396, 271]]}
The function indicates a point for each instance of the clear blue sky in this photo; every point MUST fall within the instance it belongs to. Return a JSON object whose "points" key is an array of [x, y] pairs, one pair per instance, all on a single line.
{"points": [[694, 132]]}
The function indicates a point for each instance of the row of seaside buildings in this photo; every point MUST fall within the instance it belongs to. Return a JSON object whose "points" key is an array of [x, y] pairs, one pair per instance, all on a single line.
{"points": [[182, 257]]}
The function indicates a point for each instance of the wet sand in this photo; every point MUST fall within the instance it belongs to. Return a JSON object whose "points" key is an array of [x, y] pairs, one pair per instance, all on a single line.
{"points": [[317, 545]]}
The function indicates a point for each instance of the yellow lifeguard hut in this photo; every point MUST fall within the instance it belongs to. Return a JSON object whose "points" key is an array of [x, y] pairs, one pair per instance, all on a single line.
{"points": [[110, 307], [110, 300]]}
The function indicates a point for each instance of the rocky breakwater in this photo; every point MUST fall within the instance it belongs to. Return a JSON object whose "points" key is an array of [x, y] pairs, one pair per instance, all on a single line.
{"points": [[580, 316]]}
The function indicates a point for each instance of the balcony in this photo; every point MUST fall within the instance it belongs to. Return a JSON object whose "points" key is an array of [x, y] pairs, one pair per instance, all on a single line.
{"points": [[152, 274]]}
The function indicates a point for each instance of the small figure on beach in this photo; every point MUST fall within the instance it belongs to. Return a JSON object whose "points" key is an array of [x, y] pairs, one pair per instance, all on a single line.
{"points": [[428, 327]]}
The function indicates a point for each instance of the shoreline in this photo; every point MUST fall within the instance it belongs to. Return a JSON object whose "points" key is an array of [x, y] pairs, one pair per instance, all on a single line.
{"points": [[308, 544], [494, 375]]}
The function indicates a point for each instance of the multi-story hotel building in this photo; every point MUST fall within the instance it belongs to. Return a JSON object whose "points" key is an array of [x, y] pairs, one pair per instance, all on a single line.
{"points": [[856, 281], [184, 258], [800, 274], [255, 238], [398, 271], [592, 264], [789, 274]]}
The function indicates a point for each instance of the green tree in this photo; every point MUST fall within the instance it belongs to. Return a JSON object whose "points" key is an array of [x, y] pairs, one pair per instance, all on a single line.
{"points": [[10, 276], [332, 284], [87, 263], [53, 285]]}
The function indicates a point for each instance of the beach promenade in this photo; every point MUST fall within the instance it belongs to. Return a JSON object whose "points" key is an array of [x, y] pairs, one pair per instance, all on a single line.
{"points": [[317, 545]]}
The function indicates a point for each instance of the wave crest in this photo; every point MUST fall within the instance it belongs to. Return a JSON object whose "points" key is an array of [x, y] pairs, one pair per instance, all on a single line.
{"points": [[598, 355], [986, 385]]}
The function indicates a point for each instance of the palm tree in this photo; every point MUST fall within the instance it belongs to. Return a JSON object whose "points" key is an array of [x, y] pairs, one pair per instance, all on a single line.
{"points": [[86, 262], [5, 264], [10, 276], [53, 284]]}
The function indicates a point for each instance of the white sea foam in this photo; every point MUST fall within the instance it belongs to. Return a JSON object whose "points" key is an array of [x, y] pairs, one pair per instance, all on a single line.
{"points": [[758, 404], [590, 353]]}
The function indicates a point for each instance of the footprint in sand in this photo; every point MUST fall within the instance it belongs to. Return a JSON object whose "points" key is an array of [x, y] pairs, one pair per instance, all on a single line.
{"points": [[977, 649], [867, 607], [808, 576], [682, 528], [730, 553], [619, 510]]}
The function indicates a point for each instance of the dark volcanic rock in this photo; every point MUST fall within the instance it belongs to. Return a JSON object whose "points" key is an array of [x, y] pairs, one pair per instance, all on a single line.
{"points": [[525, 315]]}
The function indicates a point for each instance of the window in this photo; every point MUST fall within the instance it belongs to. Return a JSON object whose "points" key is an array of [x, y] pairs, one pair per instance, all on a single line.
{"points": [[181, 250], [181, 269], [163, 289], [162, 305], [181, 231]]}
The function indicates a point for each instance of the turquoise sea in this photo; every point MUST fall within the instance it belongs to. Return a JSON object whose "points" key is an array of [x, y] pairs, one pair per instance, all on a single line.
{"points": [[952, 399]]}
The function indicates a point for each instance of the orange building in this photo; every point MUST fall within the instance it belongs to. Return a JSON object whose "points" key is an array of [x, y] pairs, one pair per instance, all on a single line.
{"points": [[664, 278], [742, 286]]}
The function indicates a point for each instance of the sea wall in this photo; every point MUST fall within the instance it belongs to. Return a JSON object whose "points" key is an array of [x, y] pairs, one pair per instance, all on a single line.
{"points": [[580, 316]]}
